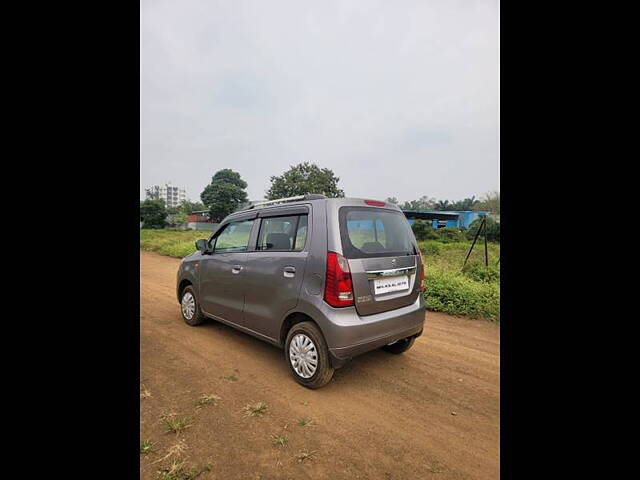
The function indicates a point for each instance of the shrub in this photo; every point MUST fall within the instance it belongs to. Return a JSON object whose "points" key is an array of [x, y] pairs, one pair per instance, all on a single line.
{"points": [[493, 230], [423, 230], [481, 273], [458, 295], [450, 235]]}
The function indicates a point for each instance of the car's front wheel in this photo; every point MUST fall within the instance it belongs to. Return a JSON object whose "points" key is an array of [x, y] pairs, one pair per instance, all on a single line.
{"points": [[400, 346], [308, 356], [190, 308]]}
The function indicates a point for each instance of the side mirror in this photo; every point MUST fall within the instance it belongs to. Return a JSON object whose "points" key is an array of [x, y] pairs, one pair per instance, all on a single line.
{"points": [[202, 245]]}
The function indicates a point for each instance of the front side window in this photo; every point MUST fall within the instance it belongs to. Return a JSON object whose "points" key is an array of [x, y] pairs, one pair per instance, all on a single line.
{"points": [[234, 237], [282, 233]]}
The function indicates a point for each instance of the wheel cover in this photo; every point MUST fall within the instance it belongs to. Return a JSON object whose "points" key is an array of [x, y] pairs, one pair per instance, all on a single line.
{"points": [[188, 305], [303, 355]]}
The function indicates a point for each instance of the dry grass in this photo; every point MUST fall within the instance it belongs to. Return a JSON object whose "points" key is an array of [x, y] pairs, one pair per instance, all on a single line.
{"points": [[144, 392], [255, 409], [209, 399], [178, 470], [304, 456], [176, 450]]}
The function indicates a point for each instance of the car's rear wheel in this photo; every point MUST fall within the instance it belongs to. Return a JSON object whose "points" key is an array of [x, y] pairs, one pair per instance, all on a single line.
{"points": [[308, 356], [190, 308], [400, 346]]}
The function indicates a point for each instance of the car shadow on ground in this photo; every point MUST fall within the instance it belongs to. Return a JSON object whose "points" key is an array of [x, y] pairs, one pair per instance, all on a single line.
{"points": [[364, 364]]}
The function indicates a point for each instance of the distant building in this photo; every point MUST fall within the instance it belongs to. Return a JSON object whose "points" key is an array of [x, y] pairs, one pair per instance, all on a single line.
{"points": [[200, 220], [172, 196]]}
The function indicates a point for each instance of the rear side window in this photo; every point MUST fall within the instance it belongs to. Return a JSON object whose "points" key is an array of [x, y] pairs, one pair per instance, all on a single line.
{"points": [[374, 232], [234, 237], [282, 233]]}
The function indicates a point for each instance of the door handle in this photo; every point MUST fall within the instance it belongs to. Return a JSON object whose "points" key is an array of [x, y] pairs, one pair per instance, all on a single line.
{"points": [[289, 272], [236, 269]]}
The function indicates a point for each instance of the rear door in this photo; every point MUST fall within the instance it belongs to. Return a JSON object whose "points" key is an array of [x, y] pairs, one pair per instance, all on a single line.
{"points": [[274, 272], [380, 248]]}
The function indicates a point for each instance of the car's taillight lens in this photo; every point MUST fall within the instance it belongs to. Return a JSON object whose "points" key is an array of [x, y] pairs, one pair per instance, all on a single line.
{"points": [[338, 288], [421, 284], [375, 203]]}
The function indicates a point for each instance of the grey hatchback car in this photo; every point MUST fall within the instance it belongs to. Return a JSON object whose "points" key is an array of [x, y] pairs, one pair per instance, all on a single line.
{"points": [[324, 278]]}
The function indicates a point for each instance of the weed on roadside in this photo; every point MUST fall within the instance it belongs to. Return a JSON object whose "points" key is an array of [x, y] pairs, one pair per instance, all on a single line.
{"points": [[176, 450], [305, 455], [174, 423], [231, 378], [144, 392], [279, 440], [434, 467], [208, 400], [146, 447], [179, 471], [255, 409], [303, 422]]}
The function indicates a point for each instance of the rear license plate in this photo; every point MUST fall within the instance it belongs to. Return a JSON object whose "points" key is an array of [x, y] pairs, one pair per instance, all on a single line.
{"points": [[391, 284]]}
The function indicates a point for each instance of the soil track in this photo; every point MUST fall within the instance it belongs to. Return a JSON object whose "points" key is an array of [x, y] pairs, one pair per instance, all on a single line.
{"points": [[432, 412]]}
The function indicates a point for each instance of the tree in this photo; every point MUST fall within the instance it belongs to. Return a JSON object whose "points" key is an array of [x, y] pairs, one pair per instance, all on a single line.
{"points": [[176, 220], [466, 204], [393, 200], [187, 207], [491, 202], [153, 213], [443, 205], [302, 179], [224, 194], [423, 203]]}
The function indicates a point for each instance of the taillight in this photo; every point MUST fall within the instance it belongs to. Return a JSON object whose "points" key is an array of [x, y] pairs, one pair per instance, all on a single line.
{"points": [[421, 287], [375, 203], [338, 288]]}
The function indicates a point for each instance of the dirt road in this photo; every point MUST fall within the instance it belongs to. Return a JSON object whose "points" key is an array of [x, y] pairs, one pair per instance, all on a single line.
{"points": [[430, 413]]}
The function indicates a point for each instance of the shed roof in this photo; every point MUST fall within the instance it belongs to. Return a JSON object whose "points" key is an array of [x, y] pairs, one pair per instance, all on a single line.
{"points": [[430, 215]]}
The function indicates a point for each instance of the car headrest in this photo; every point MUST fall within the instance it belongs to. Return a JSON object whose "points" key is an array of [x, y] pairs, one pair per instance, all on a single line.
{"points": [[278, 241]]}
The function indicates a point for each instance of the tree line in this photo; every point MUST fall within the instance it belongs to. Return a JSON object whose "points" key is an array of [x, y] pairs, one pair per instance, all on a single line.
{"points": [[226, 193], [490, 201]]}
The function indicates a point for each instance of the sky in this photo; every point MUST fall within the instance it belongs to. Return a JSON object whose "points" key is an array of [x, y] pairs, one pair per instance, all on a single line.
{"points": [[400, 99]]}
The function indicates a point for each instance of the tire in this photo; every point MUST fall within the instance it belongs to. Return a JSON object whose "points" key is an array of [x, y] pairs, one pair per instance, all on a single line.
{"points": [[196, 317], [400, 346], [323, 370]]}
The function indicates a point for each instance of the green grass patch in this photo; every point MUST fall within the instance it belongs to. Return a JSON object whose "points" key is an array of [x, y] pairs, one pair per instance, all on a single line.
{"points": [[172, 243], [472, 291]]}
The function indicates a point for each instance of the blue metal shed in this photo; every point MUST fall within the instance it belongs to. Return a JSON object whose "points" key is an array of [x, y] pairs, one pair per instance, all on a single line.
{"points": [[465, 218], [459, 219]]}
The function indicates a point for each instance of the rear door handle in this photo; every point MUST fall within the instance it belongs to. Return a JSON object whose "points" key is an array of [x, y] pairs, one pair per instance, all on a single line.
{"points": [[236, 269], [289, 272]]}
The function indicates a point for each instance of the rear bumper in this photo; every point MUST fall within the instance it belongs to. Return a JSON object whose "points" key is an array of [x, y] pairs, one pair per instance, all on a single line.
{"points": [[374, 332]]}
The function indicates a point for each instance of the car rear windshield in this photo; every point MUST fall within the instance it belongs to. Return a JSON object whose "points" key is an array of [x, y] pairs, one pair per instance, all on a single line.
{"points": [[374, 232]]}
